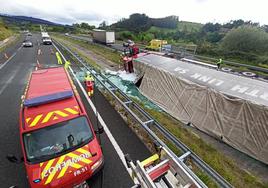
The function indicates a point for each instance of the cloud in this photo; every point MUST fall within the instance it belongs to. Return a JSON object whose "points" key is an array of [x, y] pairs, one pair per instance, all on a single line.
{"points": [[63, 14], [201, 1], [95, 11]]}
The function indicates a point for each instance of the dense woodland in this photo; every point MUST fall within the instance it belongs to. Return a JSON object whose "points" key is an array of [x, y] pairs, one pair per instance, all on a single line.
{"points": [[244, 41]]}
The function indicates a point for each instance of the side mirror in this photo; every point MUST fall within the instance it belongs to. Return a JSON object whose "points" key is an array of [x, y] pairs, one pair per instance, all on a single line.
{"points": [[100, 130], [14, 159]]}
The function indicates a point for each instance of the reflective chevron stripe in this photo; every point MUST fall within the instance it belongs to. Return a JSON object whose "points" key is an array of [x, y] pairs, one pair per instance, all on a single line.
{"points": [[36, 120], [53, 115], [56, 168]]}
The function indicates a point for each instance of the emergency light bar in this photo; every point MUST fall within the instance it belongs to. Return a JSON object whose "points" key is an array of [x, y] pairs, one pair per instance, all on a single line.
{"points": [[48, 98]]}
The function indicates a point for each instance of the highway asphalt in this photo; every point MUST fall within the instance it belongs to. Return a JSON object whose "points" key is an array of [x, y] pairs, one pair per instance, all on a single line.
{"points": [[13, 78], [7, 52]]}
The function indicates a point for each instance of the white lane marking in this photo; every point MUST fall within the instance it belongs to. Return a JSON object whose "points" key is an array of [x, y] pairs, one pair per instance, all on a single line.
{"points": [[2, 65], [106, 129], [8, 82], [19, 48]]}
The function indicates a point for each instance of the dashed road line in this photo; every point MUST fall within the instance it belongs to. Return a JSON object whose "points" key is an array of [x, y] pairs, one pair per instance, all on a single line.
{"points": [[2, 65], [8, 82]]}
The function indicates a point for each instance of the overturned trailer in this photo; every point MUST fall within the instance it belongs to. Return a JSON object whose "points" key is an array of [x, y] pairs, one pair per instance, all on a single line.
{"points": [[226, 106]]}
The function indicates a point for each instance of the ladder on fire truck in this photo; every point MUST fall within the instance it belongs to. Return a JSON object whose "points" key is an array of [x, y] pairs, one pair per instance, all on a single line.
{"points": [[161, 171]]}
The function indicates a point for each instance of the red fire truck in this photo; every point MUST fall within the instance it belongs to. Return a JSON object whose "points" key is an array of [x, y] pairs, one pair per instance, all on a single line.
{"points": [[59, 145]]}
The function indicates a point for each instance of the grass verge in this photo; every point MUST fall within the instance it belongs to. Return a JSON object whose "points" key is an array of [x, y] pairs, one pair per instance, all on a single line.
{"points": [[10, 43], [88, 59], [4, 31], [109, 54]]}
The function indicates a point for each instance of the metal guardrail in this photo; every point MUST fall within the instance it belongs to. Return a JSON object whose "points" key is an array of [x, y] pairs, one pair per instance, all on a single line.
{"points": [[150, 122]]}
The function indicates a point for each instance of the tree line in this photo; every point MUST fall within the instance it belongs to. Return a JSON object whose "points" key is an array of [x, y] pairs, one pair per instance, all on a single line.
{"points": [[141, 22], [238, 39]]}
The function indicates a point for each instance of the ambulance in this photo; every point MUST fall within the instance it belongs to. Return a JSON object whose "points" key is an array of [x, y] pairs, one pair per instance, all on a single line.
{"points": [[59, 144]]}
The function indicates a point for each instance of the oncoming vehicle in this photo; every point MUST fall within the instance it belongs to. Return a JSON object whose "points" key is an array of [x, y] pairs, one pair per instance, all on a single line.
{"points": [[27, 43], [59, 145], [128, 43], [46, 38]]}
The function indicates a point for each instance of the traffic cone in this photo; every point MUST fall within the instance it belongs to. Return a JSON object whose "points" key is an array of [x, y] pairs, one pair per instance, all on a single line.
{"points": [[39, 51], [38, 66], [6, 56]]}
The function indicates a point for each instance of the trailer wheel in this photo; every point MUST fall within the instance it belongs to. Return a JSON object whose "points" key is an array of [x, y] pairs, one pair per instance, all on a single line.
{"points": [[249, 74], [226, 69]]}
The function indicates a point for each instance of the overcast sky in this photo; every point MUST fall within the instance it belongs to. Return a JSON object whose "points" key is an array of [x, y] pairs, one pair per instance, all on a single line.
{"points": [[95, 11]]}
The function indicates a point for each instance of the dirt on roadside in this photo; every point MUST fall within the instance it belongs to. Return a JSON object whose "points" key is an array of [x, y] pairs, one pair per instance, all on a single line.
{"points": [[101, 61]]}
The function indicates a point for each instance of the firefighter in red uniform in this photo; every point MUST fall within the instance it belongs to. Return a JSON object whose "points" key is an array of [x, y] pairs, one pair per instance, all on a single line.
{"points": [[128, 59], [89, 83]]}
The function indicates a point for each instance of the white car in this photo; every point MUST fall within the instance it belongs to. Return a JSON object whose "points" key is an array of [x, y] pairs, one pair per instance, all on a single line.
{"points": [[27, 43], [47, 41]]}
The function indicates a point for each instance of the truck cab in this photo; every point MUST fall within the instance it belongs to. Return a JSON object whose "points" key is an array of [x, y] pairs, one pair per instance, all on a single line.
{"points": [[58, 141], [46, 38], [156, 44]]}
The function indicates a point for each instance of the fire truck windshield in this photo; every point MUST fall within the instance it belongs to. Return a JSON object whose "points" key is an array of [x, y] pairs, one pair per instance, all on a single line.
{"points": [[52, 141]]}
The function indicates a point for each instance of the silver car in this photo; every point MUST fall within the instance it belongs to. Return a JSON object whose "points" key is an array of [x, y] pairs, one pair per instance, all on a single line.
{"points": [[128, 43], [27, 43]]}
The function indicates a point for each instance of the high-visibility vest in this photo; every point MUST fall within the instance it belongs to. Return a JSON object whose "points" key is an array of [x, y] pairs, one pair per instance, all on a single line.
{"points": [[58, 58], [89, 87], [67, 64], [220, 61], [89, 78]]}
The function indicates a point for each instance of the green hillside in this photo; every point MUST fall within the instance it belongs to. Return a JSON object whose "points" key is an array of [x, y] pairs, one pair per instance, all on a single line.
{"points": [[182, 26], [4, 31], [189, 26]]}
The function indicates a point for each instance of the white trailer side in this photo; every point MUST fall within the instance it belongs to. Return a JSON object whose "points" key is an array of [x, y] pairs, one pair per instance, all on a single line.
{"points": [[102, 36]]}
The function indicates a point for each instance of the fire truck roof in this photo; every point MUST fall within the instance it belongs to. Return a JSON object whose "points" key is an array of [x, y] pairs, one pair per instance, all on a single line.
{"points": [[50, 99]]}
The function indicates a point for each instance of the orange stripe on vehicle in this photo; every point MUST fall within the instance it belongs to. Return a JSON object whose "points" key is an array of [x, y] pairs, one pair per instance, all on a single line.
{"points": [[55, 118], [52, 174], [71, 111], [76, 107], [28, 119], [36, 120]]}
